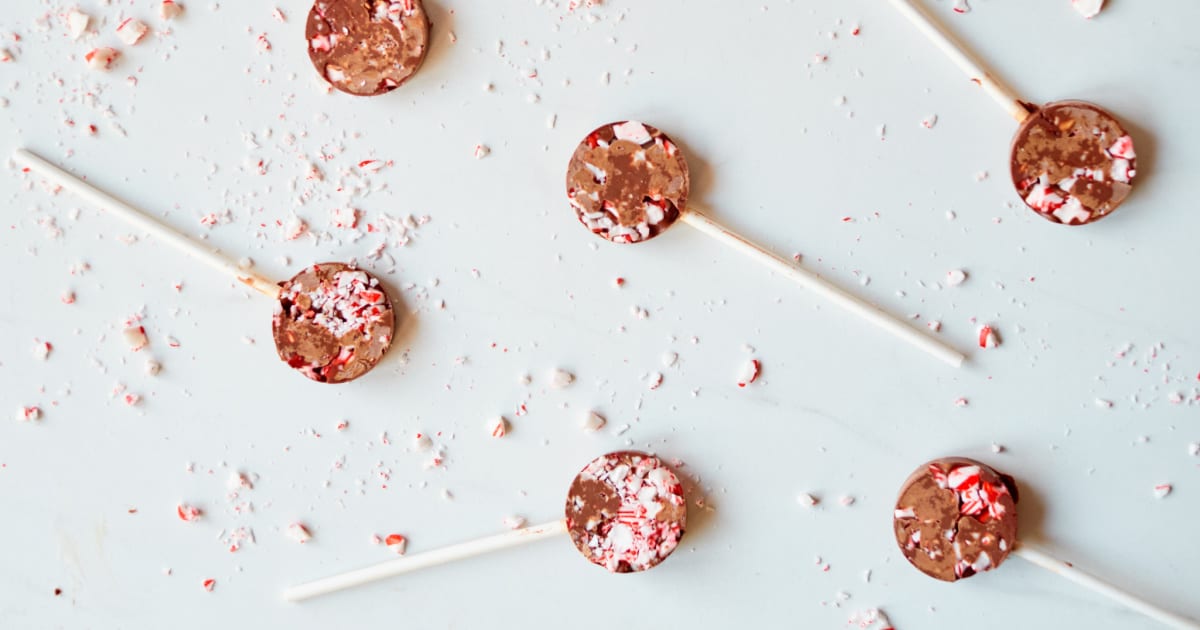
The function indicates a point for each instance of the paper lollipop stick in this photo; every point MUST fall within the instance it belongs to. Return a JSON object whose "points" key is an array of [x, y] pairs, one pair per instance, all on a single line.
{"points": [[1041, 558], [823, 288], [628, 182], [1072, 162], [419, 561], [970, 66], [645, 528], [956, 517], [333, 322], [143, 221]]}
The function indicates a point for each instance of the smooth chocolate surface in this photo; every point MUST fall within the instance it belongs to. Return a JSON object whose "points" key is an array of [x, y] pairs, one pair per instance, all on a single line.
{"points": [[627, 182], [956, 517], [367, 47], [626, 511], [1073, 162], [333, 323]]}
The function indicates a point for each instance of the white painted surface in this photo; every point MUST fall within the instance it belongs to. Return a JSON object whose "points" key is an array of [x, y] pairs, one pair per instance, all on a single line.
{"points": [[839, 410]]}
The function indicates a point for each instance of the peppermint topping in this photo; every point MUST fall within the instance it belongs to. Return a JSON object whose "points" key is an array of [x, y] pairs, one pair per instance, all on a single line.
{"points": [[626, 511], [351, 301]]}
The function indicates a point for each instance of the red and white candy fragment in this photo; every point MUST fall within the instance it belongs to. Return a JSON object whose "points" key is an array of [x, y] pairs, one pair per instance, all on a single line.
{"points": [[135, 336], [1054, 198], [299, 533], [498, 427], [101, 58], [42, 349], [870, 619], [28, 414], [397, 543], [131, 31], [955, 277], [976, 497], [1088, 8], [750, 372], [988, 337], [1162, 490], [188, 513], [169, 10], [209, 584], [560, 378]]}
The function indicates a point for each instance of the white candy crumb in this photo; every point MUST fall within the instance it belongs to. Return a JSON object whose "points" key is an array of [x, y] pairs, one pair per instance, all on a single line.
{"points": [[513, 521], [169, 10], [955, 277], [299, 533], [1162, 490], [421, 442], [1088, 8], [560, 378], [592, 422], [806, 499]]}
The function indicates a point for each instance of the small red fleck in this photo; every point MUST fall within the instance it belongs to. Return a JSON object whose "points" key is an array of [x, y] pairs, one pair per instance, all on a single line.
{"points": [[209, 584], [57, 592]]}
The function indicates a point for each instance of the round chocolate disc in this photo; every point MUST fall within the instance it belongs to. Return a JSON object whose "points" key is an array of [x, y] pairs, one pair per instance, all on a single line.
{"points": [[1073, 162], [334, 322], [626, 511], [956, 517], [367, 47], [627, 182]]}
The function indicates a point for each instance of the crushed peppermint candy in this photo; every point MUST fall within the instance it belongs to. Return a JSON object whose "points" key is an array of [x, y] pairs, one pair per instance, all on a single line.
{"points": [[592, 422], [396, 543], [626, 511], [188, 513], [870, 619], [135, 336], [299, 533], [750, 372], [1088, 8], [1162, 490], [77, 23], [955, 277], [209, 584], [513, 521], [807, 500], [169, 10], [498, 427], [29, 414], [351, 300], [988, 337], [101, 58], [131, 31]]}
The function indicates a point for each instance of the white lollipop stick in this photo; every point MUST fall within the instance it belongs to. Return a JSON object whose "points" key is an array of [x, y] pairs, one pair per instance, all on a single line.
{"points": [[419, 561], [824, 288], [999, 92], [143, 221], [1042, 559]]}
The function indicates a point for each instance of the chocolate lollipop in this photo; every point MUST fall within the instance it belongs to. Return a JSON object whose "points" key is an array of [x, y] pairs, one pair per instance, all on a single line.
{"points": [[333, 322], [628, 182], [956, 517], [1072, 162], [367, 47], [625, 511]]}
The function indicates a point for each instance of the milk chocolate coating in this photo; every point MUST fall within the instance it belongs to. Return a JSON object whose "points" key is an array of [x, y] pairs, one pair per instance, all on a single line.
{"points": [[956, 517], [333, 323], [627, 182], [626, 511], [367, 47], [1073, 162]]}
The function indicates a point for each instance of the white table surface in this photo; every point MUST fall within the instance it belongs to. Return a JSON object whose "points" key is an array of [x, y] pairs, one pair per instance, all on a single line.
{"points": [[90, 490]]}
